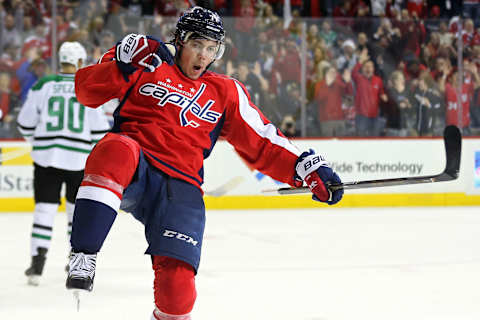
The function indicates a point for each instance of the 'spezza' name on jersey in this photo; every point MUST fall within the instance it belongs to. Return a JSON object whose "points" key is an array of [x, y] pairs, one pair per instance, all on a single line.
{"points": [[63, 88], [186, 101]]}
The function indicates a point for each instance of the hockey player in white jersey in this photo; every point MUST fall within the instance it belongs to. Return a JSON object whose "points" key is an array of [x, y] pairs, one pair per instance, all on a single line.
{"points": [[62, 133]]}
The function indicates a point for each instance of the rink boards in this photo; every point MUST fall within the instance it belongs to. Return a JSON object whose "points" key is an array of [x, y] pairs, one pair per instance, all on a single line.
{"points": [[231, 184]]}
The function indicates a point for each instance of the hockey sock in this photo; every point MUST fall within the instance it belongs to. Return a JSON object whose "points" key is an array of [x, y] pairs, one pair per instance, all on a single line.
{"points": [[92, 221], [43, 218], [174, 288]]}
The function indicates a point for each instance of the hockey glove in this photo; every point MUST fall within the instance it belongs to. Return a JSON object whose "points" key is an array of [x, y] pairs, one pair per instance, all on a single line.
{"points": [[318, 175], [139, 51]]}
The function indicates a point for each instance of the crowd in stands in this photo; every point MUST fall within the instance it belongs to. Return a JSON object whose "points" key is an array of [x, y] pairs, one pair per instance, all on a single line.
{"points": [[372, 68]]}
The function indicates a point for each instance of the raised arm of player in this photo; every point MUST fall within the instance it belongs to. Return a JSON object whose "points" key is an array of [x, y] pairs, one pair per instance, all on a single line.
{"points": [[112, 76]]}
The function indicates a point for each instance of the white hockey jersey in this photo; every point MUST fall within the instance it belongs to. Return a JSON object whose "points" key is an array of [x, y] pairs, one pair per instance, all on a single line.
{"points": [[61, 130]]}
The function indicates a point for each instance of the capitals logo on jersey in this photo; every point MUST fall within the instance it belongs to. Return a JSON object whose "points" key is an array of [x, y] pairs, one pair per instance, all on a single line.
{"points": [[186, 101]]}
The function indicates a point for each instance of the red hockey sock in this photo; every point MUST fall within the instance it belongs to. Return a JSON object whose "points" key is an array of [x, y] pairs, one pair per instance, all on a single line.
{"points": [[173, 286]]}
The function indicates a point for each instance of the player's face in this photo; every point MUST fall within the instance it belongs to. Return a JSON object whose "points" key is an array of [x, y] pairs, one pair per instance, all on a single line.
{"points": [[197, 54]]}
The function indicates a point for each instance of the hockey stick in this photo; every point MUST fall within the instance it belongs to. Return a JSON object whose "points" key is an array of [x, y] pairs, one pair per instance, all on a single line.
{"points": [[453, 149], [226, 187]]}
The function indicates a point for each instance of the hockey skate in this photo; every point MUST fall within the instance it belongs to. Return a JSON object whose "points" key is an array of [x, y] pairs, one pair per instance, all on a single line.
{"points": [[36, 267], [81, 271]]}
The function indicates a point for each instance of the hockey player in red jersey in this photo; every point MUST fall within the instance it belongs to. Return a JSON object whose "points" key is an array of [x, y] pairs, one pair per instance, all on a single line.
{"points": [[172, 110]]}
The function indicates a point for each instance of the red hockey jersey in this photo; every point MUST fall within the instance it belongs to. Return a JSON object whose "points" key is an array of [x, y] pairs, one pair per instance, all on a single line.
{"points": [[177, 120]]}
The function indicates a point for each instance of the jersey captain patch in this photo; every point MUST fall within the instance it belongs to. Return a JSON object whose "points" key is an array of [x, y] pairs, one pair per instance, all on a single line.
{"points": [[186, 101]]}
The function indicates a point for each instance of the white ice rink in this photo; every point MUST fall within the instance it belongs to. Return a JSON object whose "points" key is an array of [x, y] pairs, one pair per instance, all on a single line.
{"points": [[388, 263]]}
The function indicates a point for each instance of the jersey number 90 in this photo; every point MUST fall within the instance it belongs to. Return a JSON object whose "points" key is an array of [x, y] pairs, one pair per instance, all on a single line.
{"points": [[57, 110]]}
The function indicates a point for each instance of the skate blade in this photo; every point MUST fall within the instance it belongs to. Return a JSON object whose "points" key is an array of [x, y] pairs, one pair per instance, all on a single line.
{"points": [[76, 296], [33, 280]]}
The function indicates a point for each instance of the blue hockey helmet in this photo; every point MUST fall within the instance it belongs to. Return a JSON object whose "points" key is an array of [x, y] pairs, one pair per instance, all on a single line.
{"points": [[202, 23]]}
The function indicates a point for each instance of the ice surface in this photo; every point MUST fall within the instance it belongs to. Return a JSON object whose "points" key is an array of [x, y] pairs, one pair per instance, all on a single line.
{"points": [[384, 263]]}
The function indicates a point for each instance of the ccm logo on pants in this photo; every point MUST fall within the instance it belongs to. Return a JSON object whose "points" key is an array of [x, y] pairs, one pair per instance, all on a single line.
{"points": [[179, 236]]}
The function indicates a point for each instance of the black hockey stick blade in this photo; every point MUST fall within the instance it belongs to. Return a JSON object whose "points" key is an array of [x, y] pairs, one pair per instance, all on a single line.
{"points": [[453, 149]]}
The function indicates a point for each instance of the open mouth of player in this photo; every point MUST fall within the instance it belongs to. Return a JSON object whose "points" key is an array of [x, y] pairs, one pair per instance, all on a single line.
{"points": [[197, 68]]}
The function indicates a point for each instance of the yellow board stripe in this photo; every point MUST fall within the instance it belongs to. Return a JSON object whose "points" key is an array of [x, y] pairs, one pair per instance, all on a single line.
{"points": [[348, 201], [21, 205], [17, 156], [300, 201]]}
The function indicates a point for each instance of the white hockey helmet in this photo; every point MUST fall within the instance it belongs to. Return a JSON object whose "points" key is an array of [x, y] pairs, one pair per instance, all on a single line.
{"points": [[72, 52]]}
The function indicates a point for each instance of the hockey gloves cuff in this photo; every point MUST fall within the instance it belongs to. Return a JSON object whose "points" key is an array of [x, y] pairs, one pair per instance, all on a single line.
{"points": [[139, 51], [318, 175]]}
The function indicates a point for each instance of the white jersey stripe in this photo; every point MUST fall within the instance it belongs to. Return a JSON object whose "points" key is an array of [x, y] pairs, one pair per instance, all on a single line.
{"points": [[253, 119], [102, 195]]}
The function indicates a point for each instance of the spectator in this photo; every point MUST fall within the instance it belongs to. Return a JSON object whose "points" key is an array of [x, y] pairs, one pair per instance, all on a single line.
{"points": [[449, 85], [442, 65], [266, 56], [28, 28], [289, 127], [446, 37], [266, 18], [286, 65], [289, 101], [244, 29], [320, 58], [432, 23], [417, 7], [327, 33], [401, 114], [10, 33], [427, 102], [313, 36], [348, 59], [362, 42], [7, 102], [368, 93], [97, 30], [387, 35], [107, 41], [71, 19], [32, 69], [433, 44], [39, 41], [343, 12], [412, 31], [413, 69], [115, 21], [468, 33], [328, 97], [385, 52], [253, 80], [9, 59]]}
